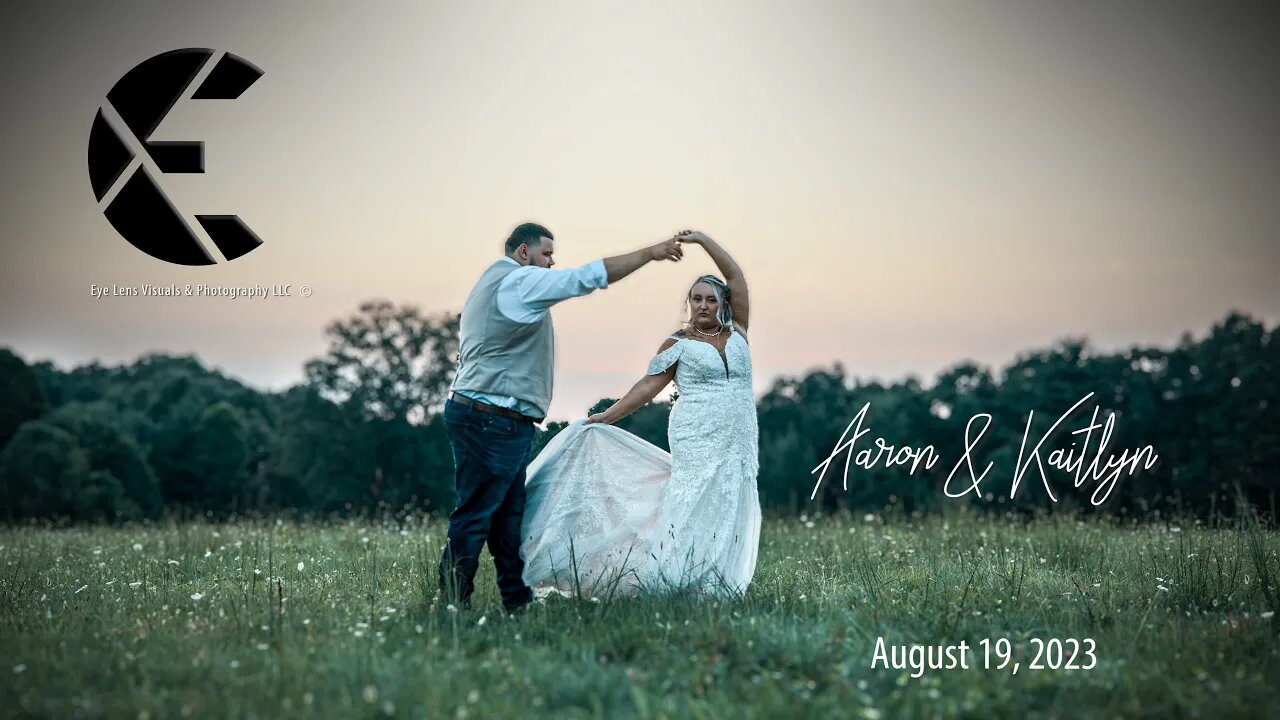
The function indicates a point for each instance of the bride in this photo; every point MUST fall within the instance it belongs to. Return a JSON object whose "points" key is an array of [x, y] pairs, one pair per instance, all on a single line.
{"points": [[609, 513]]}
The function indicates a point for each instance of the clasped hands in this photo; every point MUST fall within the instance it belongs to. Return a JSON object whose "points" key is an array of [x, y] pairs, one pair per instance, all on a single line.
{"points": [[672, 250]]}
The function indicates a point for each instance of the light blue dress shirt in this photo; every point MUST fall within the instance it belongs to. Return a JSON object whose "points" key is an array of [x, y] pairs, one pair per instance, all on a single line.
{"points": [[526, 295]]}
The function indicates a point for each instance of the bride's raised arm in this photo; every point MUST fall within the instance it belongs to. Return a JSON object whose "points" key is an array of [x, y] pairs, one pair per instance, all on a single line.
{"points": [[646, 389], [739, 299]]}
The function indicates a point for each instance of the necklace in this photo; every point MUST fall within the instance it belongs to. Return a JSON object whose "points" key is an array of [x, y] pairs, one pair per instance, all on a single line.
{"points": [[704, 334]]}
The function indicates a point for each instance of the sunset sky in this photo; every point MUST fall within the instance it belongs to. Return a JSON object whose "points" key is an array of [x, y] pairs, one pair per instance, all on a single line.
{"points": [[905, 185]]}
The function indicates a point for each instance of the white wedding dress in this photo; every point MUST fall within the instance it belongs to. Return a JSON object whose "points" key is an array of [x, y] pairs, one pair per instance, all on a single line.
{"points": [[608, 513]]}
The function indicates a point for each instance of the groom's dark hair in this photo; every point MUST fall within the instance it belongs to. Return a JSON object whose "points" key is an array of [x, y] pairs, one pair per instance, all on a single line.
{"points": [[530, 234]]}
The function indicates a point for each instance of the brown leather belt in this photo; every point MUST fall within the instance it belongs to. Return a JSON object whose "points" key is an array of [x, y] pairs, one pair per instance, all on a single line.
{"points": [[485, 407]]}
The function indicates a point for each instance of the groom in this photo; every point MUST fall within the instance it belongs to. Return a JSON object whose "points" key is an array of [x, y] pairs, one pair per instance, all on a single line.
{"points": [[503, 387]]}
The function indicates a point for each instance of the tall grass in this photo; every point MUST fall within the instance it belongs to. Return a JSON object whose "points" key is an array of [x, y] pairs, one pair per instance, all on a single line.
{"points": [[340, 619]]}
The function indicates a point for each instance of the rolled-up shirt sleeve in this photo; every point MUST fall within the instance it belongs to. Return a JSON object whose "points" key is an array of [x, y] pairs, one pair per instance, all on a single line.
{"points": [[530, 290]]}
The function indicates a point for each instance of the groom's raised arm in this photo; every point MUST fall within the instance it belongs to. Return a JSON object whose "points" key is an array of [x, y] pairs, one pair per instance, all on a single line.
{"points": [[530, 291], [539, 288], [620, 266]]}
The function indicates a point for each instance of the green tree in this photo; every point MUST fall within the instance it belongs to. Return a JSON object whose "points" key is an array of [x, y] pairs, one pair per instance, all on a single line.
{"points": [[218, 458], [393, 362], [22, 395], [321, 456], [414, 465], [111, 451], [45, 473]]}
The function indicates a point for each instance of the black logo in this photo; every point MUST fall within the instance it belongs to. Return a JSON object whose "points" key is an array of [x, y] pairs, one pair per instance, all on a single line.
{"points": [[140, 211]]}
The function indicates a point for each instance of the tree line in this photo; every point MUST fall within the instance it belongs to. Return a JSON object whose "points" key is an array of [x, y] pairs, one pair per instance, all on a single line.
{"points": [[166, 435]]}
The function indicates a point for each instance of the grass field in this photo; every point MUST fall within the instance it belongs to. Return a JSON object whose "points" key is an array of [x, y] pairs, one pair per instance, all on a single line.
{"points": [[337, 619]]}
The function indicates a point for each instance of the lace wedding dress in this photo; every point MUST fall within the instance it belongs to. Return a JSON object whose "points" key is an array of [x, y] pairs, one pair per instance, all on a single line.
{"points": [[608, 513]]}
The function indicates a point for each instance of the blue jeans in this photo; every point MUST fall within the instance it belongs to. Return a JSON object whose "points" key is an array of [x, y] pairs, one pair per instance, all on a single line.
{"points": [[490, 454]]}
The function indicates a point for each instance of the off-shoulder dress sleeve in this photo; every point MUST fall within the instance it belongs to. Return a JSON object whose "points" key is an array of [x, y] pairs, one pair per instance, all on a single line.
{"points": [[665, 359]]}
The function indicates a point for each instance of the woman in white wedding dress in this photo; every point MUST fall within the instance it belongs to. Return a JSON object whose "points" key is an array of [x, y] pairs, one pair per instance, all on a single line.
{"points": [[608, 513]]}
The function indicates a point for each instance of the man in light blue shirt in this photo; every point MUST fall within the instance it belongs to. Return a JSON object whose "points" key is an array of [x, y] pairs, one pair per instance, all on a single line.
{"points": [[503, 386], [526, 295]]}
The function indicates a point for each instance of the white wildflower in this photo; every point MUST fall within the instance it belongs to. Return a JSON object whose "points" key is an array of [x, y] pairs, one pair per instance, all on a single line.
{"points": [[196, 596]]}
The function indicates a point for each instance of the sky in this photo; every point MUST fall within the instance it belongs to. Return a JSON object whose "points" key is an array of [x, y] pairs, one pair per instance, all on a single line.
{"points": [[906, 185]]}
